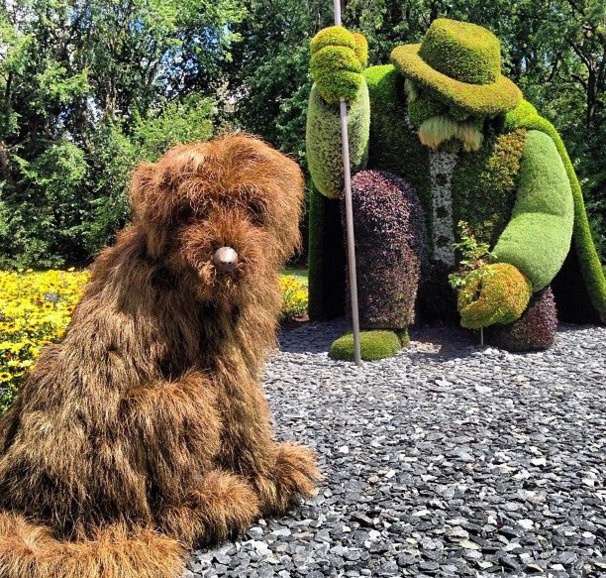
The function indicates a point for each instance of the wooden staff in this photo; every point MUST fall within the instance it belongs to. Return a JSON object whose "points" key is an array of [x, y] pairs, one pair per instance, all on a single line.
{"points": [[351, 244]]}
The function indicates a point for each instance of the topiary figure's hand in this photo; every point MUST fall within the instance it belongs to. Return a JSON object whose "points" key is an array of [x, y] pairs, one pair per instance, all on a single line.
{"points": [[337, 59], [496, 293]]}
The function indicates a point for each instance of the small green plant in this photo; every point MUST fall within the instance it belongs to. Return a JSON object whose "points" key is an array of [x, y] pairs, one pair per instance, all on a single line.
{"points": [[474, 255]]}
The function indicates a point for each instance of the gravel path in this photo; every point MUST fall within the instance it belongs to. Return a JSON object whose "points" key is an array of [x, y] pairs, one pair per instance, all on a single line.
{"points": [[450, 459]]}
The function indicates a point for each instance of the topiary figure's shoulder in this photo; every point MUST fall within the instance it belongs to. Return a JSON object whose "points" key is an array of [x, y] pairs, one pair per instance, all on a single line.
{"points": [[525, 115], [394, 144], [385, 85], [381, 80]]}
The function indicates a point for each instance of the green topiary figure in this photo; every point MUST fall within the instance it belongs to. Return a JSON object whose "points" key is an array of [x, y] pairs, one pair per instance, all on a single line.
{"points": [[442, 117]]}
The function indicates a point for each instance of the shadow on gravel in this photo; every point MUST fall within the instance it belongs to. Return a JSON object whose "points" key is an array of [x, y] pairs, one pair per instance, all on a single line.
{"points": [[440, 341], [572, 328], [311, 337], [435, 341]]}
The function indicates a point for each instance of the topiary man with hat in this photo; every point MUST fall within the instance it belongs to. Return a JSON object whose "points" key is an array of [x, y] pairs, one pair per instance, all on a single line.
{"points": [[442, 118]]}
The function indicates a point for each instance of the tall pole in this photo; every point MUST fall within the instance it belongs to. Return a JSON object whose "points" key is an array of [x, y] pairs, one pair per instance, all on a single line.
{"points": [[351, 246]]}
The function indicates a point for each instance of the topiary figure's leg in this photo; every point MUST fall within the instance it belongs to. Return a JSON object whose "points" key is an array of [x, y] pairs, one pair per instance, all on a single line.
{"points": [[390, 251], [294, 474], [436, 299], [326, 258], [224, 505], [535, 330]]}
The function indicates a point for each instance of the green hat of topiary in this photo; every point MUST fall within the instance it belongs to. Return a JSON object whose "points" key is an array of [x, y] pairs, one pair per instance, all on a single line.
{"points": [[462, 62]]}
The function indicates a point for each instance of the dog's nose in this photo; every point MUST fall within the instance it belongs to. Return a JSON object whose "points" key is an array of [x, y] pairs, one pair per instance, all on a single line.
{"points": [[225, 259]]}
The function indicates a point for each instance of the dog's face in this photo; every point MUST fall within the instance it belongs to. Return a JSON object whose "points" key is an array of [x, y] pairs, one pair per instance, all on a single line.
{"points": [[221, 214]]}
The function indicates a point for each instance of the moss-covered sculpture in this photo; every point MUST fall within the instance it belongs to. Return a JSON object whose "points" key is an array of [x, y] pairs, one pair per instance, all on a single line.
{"points": [[442, 117], [461, 64]]}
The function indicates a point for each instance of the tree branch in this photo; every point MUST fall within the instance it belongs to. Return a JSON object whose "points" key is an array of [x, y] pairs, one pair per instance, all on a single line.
{"points": [[601, 73], [5, 163], [580, 54], [580, 80], [576, 8], [554, 68]]}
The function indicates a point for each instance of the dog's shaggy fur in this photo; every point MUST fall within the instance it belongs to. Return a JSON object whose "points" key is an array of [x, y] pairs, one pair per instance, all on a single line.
{"points": [[146, 431]]}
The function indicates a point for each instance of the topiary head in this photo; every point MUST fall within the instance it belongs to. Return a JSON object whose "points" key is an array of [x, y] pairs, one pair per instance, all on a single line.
{"points": [[440, 121]]}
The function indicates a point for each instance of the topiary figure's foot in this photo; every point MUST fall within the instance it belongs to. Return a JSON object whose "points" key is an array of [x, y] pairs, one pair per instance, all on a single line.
{"points": [[535, 330], [374, 345]]}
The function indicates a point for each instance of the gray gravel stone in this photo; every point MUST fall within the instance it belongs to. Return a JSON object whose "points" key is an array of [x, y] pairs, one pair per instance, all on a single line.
{"points": [[450, 459]]}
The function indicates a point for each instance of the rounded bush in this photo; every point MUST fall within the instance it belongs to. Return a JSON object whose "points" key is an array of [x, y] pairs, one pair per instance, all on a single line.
{"points": [[390, 249], [374, 345]]}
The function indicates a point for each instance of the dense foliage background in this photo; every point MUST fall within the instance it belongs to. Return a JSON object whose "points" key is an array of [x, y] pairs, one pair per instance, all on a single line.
{"points": [[88, 88]]}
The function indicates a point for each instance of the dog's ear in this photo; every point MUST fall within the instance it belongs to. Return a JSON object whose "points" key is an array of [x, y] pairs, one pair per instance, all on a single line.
{"points": [[143, 195]]}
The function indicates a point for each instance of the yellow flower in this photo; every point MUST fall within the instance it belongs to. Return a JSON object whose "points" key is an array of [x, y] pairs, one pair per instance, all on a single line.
{"points": [[294, 297], [5, 376]]}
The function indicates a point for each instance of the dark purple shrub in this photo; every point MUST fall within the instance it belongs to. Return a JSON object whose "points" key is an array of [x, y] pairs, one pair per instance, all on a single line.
{"points": [[535, 330], [390, 248]]}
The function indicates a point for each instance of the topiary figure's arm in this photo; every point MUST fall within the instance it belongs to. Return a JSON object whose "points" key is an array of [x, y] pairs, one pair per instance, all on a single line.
{"points": [[537, 239], [323, 140], [337, 60], [526, 116]]}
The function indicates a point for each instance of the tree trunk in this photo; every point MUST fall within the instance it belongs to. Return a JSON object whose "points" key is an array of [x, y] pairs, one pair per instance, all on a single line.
{"points": [[5, 173], [592, 103]]}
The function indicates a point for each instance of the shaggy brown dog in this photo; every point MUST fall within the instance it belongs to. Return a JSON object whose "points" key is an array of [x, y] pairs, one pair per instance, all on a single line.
{"points": [[146, 431]]}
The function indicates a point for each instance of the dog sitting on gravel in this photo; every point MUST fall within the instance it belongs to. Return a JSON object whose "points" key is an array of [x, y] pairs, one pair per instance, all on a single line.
{"points": [[146, 431]]}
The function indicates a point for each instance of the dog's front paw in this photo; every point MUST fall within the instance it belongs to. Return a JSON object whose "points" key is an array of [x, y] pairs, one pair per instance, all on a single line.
{"points": [[223, 507], [295, 474]]}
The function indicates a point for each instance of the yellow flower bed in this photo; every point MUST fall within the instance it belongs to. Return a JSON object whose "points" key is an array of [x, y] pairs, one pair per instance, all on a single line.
{"points": [[294, 297], [36, 307]]}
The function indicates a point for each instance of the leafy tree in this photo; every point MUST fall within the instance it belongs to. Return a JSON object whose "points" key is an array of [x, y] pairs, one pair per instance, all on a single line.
{"points": [[269, 80], [42, 167], [86, 89], [89, 86]]}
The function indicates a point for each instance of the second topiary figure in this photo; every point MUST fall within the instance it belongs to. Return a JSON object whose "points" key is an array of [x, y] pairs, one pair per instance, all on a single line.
{"points": [[448, 125]]}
